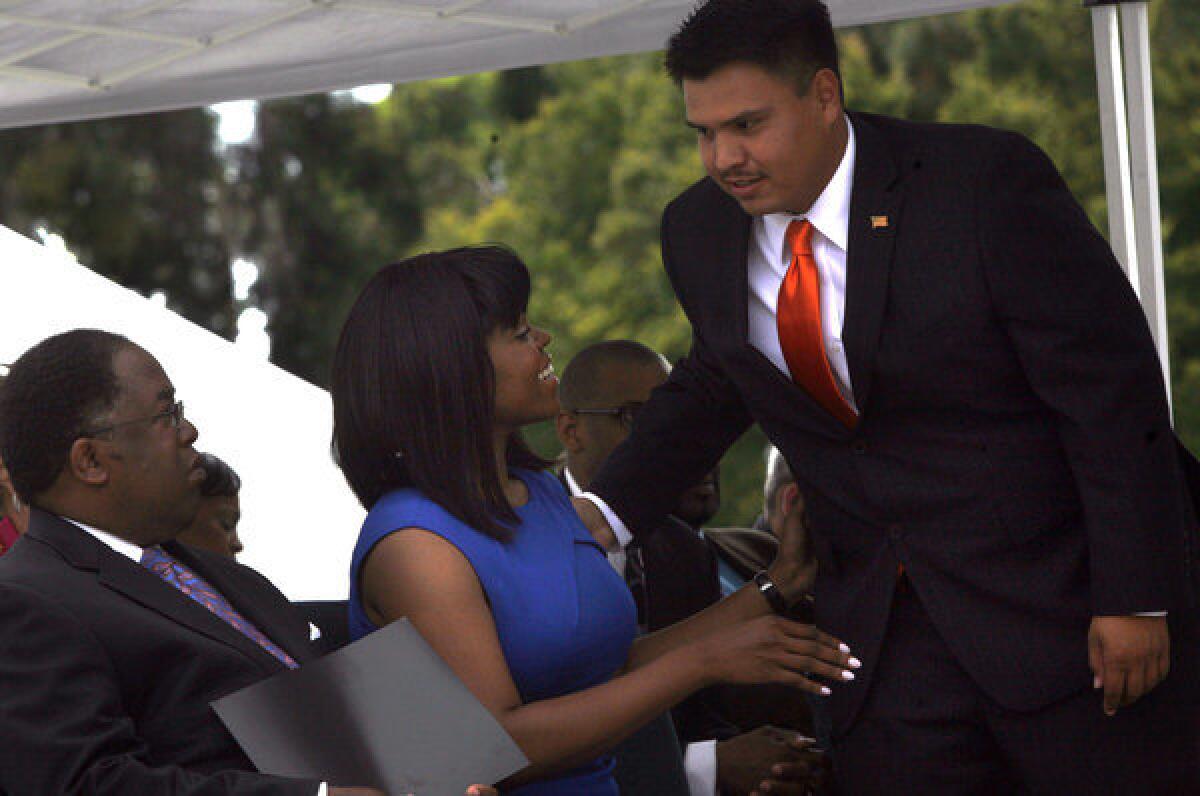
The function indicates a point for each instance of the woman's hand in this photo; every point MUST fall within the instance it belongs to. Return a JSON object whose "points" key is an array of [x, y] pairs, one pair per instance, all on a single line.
{"points": [[771, 649]]}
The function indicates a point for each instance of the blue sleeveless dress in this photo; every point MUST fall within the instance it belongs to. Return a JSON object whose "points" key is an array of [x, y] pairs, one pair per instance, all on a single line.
{"points": [[565, 618]]}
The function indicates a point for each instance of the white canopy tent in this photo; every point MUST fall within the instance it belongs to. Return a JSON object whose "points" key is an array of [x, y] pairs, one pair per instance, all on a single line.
{"points": [[67, 60], [272, 427]]}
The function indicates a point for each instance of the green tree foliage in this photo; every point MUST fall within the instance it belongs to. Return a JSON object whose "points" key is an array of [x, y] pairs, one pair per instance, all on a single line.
{"points": [[135, 198], [570, 165]]}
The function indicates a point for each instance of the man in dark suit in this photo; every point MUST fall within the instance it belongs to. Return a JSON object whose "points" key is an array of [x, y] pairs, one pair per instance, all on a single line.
{"points": [[114, 638], [922, 319], [672, 572]]}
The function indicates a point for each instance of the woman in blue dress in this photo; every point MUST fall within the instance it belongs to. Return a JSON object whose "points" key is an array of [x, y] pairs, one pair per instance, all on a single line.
{"points": [[469, 537]]}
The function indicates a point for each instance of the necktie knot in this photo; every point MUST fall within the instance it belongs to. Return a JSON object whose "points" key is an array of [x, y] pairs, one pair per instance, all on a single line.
{"points": [[155, 558], [799, 238]]}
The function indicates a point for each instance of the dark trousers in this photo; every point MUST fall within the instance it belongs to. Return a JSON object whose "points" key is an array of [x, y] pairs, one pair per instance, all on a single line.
{"points": [[925, 728]]}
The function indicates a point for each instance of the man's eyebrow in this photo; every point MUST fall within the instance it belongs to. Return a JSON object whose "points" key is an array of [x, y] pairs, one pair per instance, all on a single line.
{"points": [[744, 116]]}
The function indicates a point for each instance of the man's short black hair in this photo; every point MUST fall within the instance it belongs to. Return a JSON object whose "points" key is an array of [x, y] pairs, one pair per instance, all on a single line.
{"points": [[580, 384], [53, 394], [792, 39]]}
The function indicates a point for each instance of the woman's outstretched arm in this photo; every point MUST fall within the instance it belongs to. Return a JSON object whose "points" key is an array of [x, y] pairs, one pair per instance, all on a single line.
{"points": [[417, 574]]}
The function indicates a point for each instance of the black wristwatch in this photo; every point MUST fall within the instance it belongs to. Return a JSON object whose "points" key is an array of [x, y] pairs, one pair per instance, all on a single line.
{"points": [[771, 592]]}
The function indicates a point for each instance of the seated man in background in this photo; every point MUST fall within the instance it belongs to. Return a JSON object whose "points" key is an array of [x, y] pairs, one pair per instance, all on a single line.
{"points": [[114, 638], [215, 526], [672, 574]]}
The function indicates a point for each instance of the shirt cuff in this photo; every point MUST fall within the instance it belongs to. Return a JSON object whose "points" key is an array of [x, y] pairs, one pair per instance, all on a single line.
{"points": [[700, 765], [1150, 613], [624, 537]]}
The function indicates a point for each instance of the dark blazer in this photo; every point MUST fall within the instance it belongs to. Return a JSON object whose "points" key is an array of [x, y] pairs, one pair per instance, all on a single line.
{"points": [[1014, 449], [107, 672]]}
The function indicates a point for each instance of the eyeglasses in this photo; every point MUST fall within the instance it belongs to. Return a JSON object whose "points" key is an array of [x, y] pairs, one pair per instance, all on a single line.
{"points": [[625, 412], [174, 414]]}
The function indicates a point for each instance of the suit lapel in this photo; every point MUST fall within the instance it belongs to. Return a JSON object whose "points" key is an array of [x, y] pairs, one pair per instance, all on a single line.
{"points": [[128, 578], [721, 245], [875, 204]]}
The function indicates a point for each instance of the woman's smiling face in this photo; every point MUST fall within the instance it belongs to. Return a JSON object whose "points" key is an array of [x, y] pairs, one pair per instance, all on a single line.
{"points": [[526, 387]]}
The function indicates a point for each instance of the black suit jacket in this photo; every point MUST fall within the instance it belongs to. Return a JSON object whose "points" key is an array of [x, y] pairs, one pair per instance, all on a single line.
{"points": [[1013, 450], [107, 672]]}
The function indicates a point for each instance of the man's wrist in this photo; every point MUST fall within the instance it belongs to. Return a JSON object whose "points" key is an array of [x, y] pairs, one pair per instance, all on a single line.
{"points": [[786, 577], [621, 537]]}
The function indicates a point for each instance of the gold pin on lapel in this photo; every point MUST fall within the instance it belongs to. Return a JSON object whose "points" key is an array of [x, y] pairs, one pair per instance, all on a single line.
{"points": [[879, 222]]}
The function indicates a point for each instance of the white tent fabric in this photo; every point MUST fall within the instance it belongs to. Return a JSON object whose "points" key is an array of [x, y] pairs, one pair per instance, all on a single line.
{"points": [[299, 519], [66, 60]]}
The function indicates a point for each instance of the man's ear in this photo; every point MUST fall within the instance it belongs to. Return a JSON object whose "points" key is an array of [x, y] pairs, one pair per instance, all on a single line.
{"points": [[567, 427], [86, 462], [827, 88]]}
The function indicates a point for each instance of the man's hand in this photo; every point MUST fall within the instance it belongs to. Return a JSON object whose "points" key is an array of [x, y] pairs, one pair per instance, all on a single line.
{"points": [[770, 761], [597, 526], [795, 566], [1129, 655]]}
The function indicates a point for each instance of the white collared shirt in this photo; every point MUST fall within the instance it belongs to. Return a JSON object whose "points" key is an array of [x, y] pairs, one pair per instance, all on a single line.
{"points": [[766, 264], [767, 261], [618, 557], [116, 543]]}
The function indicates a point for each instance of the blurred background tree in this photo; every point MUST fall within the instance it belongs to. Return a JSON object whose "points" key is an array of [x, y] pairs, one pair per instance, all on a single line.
{"points": [[570, 165]]}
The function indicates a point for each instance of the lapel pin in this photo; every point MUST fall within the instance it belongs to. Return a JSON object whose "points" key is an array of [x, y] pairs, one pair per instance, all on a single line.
{"points": [[879, 222]]}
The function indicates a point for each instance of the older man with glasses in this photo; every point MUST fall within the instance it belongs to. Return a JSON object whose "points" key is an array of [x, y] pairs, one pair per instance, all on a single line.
{"points": [[114, 638]]}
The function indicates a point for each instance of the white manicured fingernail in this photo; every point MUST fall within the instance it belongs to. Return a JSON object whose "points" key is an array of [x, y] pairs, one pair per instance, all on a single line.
{"points": [[825, 691], [847, 674], [854, 663], [843, 648]]}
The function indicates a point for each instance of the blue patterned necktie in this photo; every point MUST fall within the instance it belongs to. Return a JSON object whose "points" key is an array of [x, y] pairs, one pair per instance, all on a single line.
{"points": [[170, 569]]}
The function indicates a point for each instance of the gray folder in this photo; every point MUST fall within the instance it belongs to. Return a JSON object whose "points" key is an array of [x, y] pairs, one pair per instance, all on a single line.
{"points": [[385, 711]]}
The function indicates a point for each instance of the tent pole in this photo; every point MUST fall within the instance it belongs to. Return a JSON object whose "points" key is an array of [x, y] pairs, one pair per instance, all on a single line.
{"points": [[1135, 37], [1114, 137]]}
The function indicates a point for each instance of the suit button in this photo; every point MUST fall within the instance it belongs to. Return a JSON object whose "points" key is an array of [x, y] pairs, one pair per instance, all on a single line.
{"points": [[859, 447]]}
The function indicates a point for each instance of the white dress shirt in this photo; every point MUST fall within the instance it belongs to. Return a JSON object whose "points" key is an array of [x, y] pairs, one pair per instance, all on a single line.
{"points": [[766, 263]]}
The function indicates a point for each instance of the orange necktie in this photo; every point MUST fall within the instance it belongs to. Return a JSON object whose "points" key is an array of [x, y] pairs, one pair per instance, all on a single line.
{"points": [[798, 318]]}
